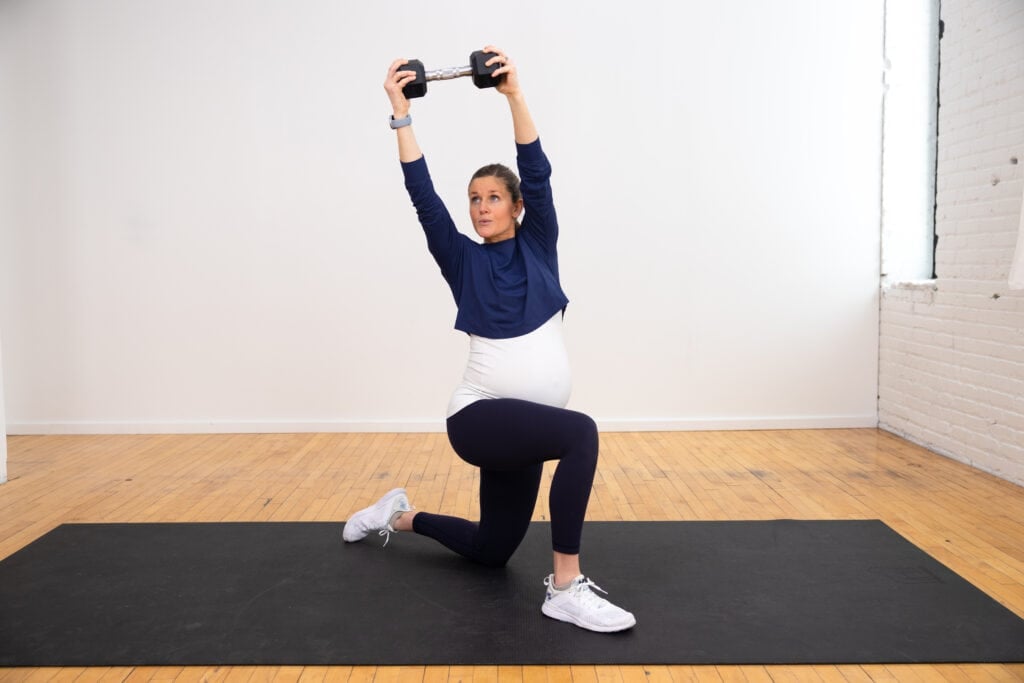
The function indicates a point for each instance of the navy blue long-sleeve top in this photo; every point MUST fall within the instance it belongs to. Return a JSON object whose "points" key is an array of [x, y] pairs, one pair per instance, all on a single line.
{"points": [[508, 288]]}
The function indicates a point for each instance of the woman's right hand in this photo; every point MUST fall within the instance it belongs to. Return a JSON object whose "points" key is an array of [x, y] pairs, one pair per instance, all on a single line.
{"points": [[396, 80]]}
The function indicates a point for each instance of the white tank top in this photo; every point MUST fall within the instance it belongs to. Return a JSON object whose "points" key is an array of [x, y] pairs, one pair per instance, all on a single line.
{"points": [[533, 367]]}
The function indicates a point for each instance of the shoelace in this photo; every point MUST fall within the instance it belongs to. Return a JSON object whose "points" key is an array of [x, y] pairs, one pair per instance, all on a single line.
{"points": [[386, 531], [586, 594], [583, 588]]}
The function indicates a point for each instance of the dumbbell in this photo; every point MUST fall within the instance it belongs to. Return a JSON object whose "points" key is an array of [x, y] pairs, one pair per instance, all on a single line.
{"points": [[477, 68]]}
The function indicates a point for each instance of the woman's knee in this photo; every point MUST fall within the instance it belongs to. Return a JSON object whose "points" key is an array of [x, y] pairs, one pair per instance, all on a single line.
{"points": [[494, 558], [585, 434]]}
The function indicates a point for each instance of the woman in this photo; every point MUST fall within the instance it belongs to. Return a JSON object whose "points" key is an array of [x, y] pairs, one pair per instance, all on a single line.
{"points": [[508, 415]]}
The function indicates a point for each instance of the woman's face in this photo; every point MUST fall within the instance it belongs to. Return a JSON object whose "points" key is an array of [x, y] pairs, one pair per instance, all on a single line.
{"points": [[492, 210]]}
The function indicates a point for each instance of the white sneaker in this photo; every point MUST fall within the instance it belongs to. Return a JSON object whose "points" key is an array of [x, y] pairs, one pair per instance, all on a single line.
{"points": [[377, 517], [579, 604]]}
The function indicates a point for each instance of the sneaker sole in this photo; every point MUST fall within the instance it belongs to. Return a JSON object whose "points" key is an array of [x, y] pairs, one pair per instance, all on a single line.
{"points": [[574, 620], [384, 502]]}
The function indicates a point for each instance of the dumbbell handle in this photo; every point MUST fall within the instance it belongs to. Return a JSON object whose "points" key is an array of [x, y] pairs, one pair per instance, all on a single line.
{"points": [[450, 72], [483, 75]]}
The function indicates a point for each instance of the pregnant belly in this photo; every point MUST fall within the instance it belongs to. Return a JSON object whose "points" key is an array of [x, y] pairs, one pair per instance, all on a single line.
{"points": [[534, 367], [544, 379]]}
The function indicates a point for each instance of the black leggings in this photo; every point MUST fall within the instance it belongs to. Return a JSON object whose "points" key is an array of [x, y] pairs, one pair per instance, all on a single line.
{"points": [[509, 440]]}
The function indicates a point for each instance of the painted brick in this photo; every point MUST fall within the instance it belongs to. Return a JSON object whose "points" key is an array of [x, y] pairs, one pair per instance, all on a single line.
{"points": [[951, 354]]}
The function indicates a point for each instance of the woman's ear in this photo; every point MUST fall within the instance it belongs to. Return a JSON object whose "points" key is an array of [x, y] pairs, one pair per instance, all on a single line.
{"points": [[518, 210]]}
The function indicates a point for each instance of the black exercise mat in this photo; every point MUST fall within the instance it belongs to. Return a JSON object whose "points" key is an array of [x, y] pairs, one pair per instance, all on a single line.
{"points": [[785, 592]]}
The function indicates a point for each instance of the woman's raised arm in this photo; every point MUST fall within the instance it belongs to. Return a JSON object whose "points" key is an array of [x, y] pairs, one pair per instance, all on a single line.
{"points": [[408, 148], [522, 122]]}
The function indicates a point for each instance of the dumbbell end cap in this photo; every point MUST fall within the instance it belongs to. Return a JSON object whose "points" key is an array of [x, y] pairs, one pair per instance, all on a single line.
{"points": [[414, 90], [418, 88], [481, 72]]}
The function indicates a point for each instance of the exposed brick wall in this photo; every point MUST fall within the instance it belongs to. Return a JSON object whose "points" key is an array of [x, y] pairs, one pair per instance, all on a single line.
{"points": [[951, 365]]}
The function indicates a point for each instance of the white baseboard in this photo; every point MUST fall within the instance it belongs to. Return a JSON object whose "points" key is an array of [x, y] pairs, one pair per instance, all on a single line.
{"points": [[436, 425], [683, 424], [225, 427]]}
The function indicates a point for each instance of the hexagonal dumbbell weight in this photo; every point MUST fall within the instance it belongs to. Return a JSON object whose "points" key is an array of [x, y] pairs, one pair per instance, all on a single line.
{"points": [[477, 68]]}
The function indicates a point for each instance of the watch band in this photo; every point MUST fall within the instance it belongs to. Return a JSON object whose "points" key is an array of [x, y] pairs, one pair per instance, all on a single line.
{"points": [[400, 123]]}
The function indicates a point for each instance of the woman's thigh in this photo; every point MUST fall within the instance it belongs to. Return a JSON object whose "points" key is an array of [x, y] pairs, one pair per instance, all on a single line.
{"points": [[509, 434]]}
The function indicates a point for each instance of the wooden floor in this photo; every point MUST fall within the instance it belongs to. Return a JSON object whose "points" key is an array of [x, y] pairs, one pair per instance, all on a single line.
{"points": [[972, 522]]}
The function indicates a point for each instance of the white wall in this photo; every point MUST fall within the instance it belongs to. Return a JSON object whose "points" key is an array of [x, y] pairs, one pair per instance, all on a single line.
{"points": [[7, 49], [3, 423], [207, 228], [952, 350]]}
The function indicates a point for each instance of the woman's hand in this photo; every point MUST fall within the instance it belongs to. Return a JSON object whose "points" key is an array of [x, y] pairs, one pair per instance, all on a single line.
{"points": [[396, 80], [509, 85], [522, 121]]}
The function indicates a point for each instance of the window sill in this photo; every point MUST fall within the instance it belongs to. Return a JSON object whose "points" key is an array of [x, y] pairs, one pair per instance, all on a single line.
{"points": [[930, 285]]}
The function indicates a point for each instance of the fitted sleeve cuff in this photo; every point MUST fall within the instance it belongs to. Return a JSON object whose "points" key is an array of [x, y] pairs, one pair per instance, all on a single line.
{"points": [[530, 151], [415, 170], [533, 163]]}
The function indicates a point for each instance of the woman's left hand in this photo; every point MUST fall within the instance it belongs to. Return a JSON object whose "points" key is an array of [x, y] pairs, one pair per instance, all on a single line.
{"points": [[509, 85]]}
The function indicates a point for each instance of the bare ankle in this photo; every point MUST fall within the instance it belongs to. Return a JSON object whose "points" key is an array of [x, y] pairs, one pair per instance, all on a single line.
{"points": [[403, 521], [567, 568]]}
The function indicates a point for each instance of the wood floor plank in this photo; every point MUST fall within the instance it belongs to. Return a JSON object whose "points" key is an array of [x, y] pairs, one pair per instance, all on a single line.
{"points": [[971, 521]]}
